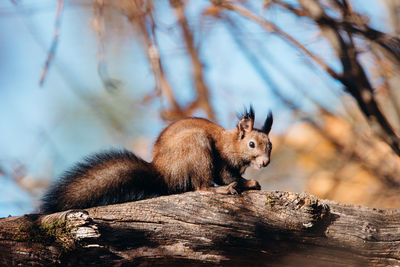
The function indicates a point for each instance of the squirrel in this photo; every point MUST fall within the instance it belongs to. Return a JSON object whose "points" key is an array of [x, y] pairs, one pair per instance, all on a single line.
{"points": [[189, 154]]}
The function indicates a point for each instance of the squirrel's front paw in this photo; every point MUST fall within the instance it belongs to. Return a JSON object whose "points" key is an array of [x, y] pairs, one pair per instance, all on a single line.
{"points": [[232, 188]]}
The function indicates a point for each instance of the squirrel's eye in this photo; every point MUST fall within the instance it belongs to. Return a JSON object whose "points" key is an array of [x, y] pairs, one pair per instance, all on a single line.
{"points": [[251, 144]]}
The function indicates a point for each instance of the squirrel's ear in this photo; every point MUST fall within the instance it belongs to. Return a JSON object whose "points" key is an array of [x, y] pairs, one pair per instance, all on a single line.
{"points": [[268, 123], [246, 122]]}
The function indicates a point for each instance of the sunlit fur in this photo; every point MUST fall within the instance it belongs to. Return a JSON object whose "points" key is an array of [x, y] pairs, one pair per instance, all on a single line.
{"points": [[194, 152]]}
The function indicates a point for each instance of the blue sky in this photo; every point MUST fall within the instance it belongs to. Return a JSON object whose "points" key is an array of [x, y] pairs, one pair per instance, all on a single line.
{"points": [[52, 126]]}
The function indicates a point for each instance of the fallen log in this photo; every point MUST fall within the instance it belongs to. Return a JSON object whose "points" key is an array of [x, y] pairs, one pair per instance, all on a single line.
{"points": [[203, 228]]}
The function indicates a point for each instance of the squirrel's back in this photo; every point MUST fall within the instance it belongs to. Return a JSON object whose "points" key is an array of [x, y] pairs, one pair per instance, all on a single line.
{"points": [[102, 179], [185, 154]]}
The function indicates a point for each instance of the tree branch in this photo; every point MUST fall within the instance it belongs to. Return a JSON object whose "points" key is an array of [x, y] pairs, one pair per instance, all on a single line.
{"points": [[140, 15], [353, 76], [53, 47], [269, 26], [203, 94]]}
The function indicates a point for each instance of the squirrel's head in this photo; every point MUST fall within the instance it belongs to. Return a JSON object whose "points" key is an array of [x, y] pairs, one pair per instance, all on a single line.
{"points": [[254, 144]]}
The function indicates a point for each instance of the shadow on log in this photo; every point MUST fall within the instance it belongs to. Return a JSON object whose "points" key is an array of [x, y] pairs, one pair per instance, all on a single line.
{"points": [[202, 228]]}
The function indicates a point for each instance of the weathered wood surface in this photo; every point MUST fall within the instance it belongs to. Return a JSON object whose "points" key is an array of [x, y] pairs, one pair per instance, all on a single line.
{"points": [[256, 228]]}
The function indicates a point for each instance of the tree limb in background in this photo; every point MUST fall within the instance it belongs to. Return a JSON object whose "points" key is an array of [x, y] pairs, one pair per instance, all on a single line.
{"points": [[386, 171], [139, 13], [357, 24], [393, 7], [203, 93], [271, 27], [353, 77], [386, 72]]}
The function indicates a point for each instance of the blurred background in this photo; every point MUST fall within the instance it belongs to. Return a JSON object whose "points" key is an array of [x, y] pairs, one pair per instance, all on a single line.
{"points": [[81, 76]]}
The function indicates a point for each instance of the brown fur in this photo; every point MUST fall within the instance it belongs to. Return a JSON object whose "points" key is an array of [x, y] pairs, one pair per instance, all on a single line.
{"points": [[195, 153]]}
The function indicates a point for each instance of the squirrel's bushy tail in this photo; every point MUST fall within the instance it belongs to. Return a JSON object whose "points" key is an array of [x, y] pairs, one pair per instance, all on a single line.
{"points": [[103, 179]]}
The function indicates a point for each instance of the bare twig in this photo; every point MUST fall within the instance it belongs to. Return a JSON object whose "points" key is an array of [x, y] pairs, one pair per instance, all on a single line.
{"points": [[53, 47], [255, 62], [99, 24]]}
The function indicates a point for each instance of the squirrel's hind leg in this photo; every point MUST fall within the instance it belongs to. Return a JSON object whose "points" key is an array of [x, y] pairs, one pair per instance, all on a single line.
{"points": [[245, 184]]}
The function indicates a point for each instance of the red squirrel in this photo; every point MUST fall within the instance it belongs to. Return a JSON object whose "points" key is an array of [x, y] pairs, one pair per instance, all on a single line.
{"points": [[189, 154]]}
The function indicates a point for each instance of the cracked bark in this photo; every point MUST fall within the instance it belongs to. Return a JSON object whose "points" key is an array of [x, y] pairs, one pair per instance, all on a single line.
{"points": [[203, 228]]}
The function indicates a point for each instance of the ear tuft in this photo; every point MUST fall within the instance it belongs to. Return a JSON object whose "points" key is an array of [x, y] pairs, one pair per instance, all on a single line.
{"points": [[246, 121], [268, 123], [247, 113]]}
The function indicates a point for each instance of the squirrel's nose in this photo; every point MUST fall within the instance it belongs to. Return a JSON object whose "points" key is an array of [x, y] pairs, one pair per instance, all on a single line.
{"points": [[265, 162]]}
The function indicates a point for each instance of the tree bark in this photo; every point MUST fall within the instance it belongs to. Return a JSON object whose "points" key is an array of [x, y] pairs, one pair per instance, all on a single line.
{"points": [[203, 228]]}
